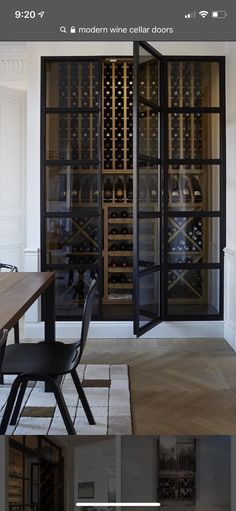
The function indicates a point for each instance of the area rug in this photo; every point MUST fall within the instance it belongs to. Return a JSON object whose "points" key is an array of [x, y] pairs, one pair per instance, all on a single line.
{"points": [[107, 391]]}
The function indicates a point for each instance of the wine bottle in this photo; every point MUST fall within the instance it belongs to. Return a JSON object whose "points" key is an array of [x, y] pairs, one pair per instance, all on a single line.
{"points": [[114, 214], [124, 262], [85, 191], [197, 191], [123, 246], [113, 264], [124, 214], [129, 190], [108, 190], [113, 279], [185, 189], [123, 279], [174, 188], [124, 230], [114, 231], [119, 190], [113, 247]]}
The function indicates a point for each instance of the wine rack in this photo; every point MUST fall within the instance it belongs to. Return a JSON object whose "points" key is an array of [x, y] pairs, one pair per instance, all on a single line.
{"points": [[177, 472], [117, 193]]}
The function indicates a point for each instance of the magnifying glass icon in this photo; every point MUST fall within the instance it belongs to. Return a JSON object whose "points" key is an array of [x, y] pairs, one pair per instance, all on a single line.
{"points": [[63, 30]]}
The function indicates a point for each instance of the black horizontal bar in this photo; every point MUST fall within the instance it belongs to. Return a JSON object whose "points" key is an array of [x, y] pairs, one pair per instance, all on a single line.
{"points": [[195, 213], [194, 266], [194, 109], [196, 161], [149, 214], [91, 212], [68, 110], [70, 266], [145, 157], [65, 163]]}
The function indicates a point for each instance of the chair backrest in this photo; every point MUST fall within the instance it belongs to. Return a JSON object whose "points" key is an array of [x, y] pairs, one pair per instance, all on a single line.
{"points": [[87, 312], [9, 267], [3, 342]]}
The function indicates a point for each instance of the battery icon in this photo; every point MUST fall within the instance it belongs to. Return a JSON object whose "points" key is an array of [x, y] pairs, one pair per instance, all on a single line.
{"points": [[218, 15]]}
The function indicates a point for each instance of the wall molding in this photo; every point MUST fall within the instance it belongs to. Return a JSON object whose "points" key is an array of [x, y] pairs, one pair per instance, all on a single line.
{"points": [[13, 61], [124, 330]]}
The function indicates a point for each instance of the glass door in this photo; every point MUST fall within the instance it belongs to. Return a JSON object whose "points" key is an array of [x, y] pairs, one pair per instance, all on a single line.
{"points": [[147, 187], [71, 179]]}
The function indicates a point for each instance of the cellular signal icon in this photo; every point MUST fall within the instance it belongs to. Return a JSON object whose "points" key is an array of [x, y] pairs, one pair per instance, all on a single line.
{"points": [[203, 14], [190, 15]]}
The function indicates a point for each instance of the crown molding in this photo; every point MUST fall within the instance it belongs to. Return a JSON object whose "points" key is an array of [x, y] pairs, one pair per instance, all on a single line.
{"points": [[13, 61]]}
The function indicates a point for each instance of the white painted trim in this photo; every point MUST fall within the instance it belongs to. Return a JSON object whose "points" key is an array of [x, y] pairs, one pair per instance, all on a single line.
{"points": [[230, 297], [124, 330]]}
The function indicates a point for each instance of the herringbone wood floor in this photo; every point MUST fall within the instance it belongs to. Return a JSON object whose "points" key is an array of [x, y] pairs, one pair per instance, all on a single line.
{"points": [[177, 386]]}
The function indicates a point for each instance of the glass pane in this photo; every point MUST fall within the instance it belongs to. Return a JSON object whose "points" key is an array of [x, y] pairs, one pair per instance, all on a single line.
{"points": [[149, 242], [71, 290], [194, 187], [193, 292], [70, 187], [148, 76], [72, 84], [194, 136], [148, 132], [193, 84], [72, 240], [71, 136], [149, 186], [193, 240], [149, 298]]}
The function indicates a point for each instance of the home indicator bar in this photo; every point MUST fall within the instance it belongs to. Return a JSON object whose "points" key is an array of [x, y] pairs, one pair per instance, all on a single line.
{"points": [[118, 504]]}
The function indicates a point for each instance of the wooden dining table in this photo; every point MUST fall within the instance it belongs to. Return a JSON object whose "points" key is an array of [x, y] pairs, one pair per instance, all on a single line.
{"points": [[19, 290]]}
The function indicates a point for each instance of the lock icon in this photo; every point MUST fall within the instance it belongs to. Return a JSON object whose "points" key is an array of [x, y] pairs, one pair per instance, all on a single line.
{"points": [[72, 30]]}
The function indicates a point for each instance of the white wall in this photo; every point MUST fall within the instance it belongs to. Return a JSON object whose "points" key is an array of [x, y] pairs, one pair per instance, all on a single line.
{"points": [[95, 460], [230, 253], [12, 176], [138, 477]]}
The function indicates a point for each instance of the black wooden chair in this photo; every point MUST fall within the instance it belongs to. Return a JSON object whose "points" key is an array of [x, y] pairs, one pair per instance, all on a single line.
{"points": [[10, 267], [46, 362]]}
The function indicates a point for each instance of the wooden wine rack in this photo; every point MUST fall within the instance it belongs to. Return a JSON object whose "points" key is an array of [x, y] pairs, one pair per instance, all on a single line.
{"points": [[117, 163]]}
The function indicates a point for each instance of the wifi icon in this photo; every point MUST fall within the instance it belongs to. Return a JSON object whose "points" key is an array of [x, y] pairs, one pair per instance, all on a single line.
{"points": [[203, 14]]}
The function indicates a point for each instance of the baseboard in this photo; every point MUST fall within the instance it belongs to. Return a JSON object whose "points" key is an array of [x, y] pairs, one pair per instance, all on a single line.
{"points": [[230, 334], [124, 330]]}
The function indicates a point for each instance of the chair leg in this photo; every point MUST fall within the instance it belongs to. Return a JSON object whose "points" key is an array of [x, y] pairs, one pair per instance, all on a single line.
{"points": [[62, 406], [18, 404], [83, 398], [16, 333], [10, 403]]}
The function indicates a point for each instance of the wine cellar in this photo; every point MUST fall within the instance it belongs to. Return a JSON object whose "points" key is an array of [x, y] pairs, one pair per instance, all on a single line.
{"points": [[35, 477], [177, 472], [133, 185]]}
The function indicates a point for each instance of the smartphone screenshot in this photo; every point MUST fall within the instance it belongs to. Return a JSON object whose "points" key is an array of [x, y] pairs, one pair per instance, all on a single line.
{"points": [[117, 255]]}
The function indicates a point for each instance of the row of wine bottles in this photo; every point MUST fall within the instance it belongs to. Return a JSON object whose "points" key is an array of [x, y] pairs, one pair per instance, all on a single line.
{"points": [[118, 189], [121, 279], [185, 188], [115, 232], [121, 247], [121, 262]]}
